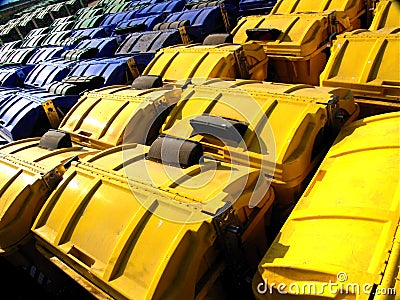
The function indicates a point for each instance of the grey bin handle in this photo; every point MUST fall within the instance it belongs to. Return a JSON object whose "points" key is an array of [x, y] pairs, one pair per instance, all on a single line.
{"points": [[175, 151], [222, 128]]}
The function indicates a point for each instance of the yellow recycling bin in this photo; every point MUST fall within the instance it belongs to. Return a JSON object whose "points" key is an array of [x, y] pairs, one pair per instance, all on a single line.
{"points": [[24, 187], [284, 128], [295, 44], [342, 239], [130, 238], [227, 61], [100, 117], [368, 63], [97, 121], [353, 8], [29, 150], [386, 15]]}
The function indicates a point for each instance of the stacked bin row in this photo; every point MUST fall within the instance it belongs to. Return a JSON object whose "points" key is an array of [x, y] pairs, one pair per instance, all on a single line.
{"points": [[374, 75], [71, 57], [175, 186], [297, 35], [77, 138], [360, 224], [341, 241]]}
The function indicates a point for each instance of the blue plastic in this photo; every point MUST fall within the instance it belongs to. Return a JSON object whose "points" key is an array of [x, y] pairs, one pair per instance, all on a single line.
{"points": [[47, 72], [111, 21], [45, 54], [13, 76], [254, 7], [149, 41], [83, 34], [8, 91], [140, 24], [203, 21], [5, 94], [142, 59], [106, 46], [92, 33], [22, 114], [113, 70], [167, 7]]}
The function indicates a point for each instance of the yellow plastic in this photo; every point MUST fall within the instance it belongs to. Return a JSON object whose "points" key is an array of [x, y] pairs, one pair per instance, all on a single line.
{"points": [[100, 117], [300, 34], [353, 8], [98, 121], [232, 61], [366, 62], [343, 229], [296, 115], [29, 150], [97, 227], [296, 54], [387, 15], [24, 187], [24, 168]]}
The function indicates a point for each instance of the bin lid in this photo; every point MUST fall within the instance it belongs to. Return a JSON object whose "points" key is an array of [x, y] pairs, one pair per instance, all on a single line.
{"points": [[109, 242], [269, 138], [220, 61], [372, 74], [22, 115], [292, 34], [386, 15], [24, 186], [353, 8], [149, 41], [45, 54], [353, 210], [100, 117], [47, 72], [29, 150], [56, 38], [166, 7]]}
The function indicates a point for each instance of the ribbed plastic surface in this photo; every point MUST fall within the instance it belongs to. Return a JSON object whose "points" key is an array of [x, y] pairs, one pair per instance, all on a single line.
{"points": [[127, 251], [149, 41], [100, 117], [342, 233], [23, 188], [222, 61], [299, 138], [366, 62]]}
